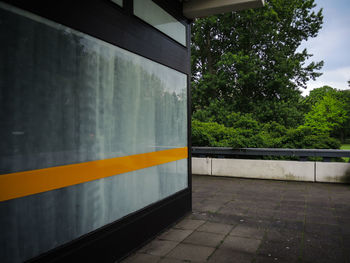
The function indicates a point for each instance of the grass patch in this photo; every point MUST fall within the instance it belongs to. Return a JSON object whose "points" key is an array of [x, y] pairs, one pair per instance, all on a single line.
{"points": [[345, 147]]}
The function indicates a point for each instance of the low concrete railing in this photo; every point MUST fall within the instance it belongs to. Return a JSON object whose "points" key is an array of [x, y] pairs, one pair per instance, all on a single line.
{"points": [[205, 162]]}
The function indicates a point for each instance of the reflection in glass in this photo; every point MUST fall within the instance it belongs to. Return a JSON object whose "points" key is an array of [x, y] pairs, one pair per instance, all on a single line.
{"points": [[153, 14], [118, 2]]}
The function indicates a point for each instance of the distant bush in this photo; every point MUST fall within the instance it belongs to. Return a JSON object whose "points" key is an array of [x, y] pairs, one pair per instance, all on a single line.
{"points": [[324, 123], [307, 138], [255, 135]]}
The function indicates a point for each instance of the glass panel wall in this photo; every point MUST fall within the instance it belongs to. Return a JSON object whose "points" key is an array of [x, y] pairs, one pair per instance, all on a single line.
{"points": [[154, 15], [67, 98]]}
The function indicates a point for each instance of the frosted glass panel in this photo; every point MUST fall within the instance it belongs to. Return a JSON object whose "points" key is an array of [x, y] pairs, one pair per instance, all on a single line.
{"points": [[118, 2], [81, 98], [153, 14], [65, 98]]}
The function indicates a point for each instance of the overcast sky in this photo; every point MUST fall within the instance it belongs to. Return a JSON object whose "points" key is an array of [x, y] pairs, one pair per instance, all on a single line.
{"points": [[332, 45]]}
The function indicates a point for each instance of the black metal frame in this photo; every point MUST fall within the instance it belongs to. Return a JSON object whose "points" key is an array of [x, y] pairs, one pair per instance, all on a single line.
{"points": [[227, 152], [116, 25], [189, 111]]}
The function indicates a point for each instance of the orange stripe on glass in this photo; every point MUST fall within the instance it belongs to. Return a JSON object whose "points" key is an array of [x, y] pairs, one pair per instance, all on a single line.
{"points": [[26, 183]]}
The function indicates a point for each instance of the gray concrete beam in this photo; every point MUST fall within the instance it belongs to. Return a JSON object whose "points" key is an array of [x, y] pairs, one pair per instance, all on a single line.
{"points": [[203, 8]]}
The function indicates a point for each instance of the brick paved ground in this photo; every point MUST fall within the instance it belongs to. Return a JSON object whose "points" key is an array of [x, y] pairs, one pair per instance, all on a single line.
{"points": [[242, 220]]}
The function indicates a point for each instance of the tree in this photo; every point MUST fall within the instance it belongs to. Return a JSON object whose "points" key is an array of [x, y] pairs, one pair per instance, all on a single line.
{"points": [[338, 101], [328, 115], [316, 95], [344, 131], [249, 58]]}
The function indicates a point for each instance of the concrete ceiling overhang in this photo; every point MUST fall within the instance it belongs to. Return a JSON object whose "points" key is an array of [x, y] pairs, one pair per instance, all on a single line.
{"points": [[202, 8]]}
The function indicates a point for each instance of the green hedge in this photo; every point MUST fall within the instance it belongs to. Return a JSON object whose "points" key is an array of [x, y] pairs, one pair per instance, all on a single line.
{"points": [[255, 135]]}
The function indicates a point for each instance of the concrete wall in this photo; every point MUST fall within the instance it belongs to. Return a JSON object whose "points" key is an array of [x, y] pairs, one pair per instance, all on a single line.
{"points": [[276, 170], [201, 166], [279, 170], [333, 172]]}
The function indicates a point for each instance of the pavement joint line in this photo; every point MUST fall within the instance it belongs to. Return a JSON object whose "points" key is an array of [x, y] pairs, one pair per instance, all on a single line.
{"points": [[341, 236], [302, 246], [222, 241], [184, 238], [154, 238], [267, 229], [263, 239]]}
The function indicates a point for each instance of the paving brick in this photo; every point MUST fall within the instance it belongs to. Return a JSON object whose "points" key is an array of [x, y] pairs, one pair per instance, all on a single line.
{"points": [[322, 249], [225, 197], [170, 260], [215, 228], [323, 231], [141, 258], [282, 249], [241, 244], [267, 212], [287, 225], [224, 218], [293, 197], [247, 231], [198, 215], [277, 209], [189, 224], [318, 211], [175, 234], [290, 208], [233, 211], [159, 247], [271, 259], [210, 206], [289, 215], [330, 220], [204, 239], [191, 252], [342, 213], [259, 223], [311, 240], [229, 256], [196, 206], [284, 235]]}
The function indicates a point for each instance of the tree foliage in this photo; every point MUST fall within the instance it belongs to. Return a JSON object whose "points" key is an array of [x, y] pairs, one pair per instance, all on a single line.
{"points": [[247, 70], [327, 115], [249, 60], [329, 111], [269, 135], [326, 123]]}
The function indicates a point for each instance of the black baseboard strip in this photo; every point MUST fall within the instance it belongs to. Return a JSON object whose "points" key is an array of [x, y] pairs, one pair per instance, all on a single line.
{"points": [[118, 239]]}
